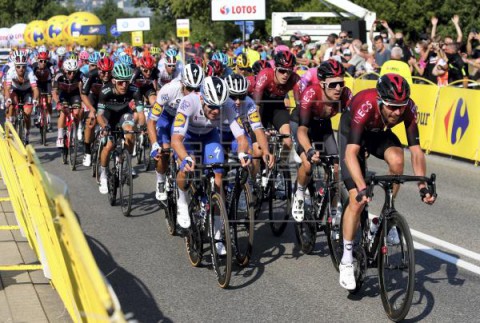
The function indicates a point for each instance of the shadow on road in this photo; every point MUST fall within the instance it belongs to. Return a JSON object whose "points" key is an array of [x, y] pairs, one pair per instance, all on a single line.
{"points": [[135, 298]]}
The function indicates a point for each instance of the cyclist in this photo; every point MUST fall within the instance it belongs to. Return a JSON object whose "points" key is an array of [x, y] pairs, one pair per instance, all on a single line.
{"points": [[66, 92], [250, 120], [195, 128], [21, 86], [169, 67], [243, 65], [256, 68], [114, 108], [366, 126], [318, 103], [271, 88], [90, 92], [145, 78], [60, 57], [160, 119], [214, 68], [44, 72], [223, 59]]}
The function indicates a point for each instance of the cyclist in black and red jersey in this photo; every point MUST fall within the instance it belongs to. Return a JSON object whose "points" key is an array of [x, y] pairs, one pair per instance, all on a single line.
{"points": [[271, 89], [256, 68], [66, 90], [90, 92], [366, 126], [214, 68], [145, 77], [318, 103], [43, 70]]}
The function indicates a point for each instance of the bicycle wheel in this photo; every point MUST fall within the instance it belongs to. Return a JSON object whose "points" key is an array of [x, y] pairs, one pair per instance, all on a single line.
{"points": [[306, 231], [396, 270], [279, 201], [125, 182], [20, 128], [43, 128], [72, 146], [220, 240], [112, 176], [172, 197], [242, 220], [139, 148], [193, 237], [65, 148], [334, 232], [98, 153], [94, 146], [148, 160]]}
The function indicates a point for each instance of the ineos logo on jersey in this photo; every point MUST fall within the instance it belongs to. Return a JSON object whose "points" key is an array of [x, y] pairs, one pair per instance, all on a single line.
{"points": [[308, 95], [261, 80], [362, 112]]}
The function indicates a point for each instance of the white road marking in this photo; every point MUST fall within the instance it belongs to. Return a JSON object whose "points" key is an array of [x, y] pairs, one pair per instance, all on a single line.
{"points": [[448, 258]]}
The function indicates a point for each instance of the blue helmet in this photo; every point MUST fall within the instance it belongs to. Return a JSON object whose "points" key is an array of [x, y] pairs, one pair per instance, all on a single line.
{"points": [[94, 57], [171, 53], [223, 58], [125, 59]]}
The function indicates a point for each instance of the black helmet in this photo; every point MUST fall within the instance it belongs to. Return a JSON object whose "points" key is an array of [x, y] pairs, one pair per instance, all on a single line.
{"points": [[393, 89]]}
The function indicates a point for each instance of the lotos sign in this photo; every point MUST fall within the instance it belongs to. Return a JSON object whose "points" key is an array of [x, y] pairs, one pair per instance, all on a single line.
{"points": [[241, 10]]}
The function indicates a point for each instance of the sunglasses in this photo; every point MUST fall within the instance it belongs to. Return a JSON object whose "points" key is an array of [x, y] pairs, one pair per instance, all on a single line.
{"points": [[238, 97], [105, 72], [394, 106], [21, 67], [42, 61], [171, 65], [333, 85], [213, 107], [70, 72], [93, 65], [282, 70], [122, 82], [146, 70]]}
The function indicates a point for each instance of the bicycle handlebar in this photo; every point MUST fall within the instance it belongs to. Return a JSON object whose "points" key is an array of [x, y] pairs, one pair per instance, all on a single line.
{"points": [[373, 180]]}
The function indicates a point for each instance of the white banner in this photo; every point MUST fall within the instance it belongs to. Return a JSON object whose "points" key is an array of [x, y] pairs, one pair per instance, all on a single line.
{"points": [[241, 10], [133, 24]]}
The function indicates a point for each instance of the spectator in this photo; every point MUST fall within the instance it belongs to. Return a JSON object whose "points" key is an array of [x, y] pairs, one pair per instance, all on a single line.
{"points": [[382, 54], [356, 65], [399, 41], [387, 31], [310, 55], [327, 50], [237, 47], [420, 66], [397, 66], [455, 21], [456, 66]]}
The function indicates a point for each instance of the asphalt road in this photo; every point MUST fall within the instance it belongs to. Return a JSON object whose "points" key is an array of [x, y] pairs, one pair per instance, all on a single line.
{"points": [[152, 276]]}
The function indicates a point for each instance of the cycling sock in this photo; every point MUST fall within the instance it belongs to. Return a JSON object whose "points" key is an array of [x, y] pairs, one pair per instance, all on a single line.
{"points": [[347, 252], [160, 177], [60, 133], [300, 191], [182, 197], [103, 172], [88, 148]]}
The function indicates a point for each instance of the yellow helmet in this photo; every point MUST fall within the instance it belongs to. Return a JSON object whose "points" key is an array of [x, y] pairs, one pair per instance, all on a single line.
{"points": [[155, 50], [243, 61], [231, 61]]}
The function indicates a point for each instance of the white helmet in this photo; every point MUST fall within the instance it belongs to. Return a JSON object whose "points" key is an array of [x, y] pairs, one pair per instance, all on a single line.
{"points": [[19, 57], [214, 91], [193, 76], [70, 65], [61, 51], [237, 84], [42, 48]]}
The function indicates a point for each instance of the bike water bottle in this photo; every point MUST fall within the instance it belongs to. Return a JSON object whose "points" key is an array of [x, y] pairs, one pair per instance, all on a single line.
{"points": [[373, 228], [203, 207]]}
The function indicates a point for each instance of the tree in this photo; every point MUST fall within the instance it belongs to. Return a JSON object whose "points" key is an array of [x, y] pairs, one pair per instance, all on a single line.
{"points": [[108, 14]]}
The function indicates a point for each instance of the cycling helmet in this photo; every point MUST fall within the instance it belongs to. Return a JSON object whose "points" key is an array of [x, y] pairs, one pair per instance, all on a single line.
{"points": [[70, 65], [103, 53], [260, 65], [171, 53], [155, 51], [237, 84], [192, 76], [393, 89], [330, 68], [93, 58], [170, 60], [42, 48], [105, 64], [199, 61], [231, 61], [147, 62], [285, 59], [122, 72], [19, 57], [223, 58], [216, 68], [71, 55], [243, 61], [42, 56], [84, 55], [61, 51], [125, 59], [214, 91]]}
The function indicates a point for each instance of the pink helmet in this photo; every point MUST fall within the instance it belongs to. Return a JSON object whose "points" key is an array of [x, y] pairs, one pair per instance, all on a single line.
{"points": [[84, 55]]}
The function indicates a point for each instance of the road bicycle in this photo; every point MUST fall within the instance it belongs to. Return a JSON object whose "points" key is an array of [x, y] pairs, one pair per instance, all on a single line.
{"points": [[389, 248], [172, 193], [19, 122], [70, 140], [43, 119]]}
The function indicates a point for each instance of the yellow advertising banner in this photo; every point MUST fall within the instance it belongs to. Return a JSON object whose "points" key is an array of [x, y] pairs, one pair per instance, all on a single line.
{"points": [[362, 84], [137, 38], [425, 96], [457, 123]]}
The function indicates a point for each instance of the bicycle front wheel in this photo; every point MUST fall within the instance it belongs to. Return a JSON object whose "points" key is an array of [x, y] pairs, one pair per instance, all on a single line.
{"points": [[72, 146], [220, 240], [43, 128], [242, 220], [193, 237], [396, 270], [125, 182], [279, 201], [112, 178], [334, 231], [306, 231], [172, 198]]}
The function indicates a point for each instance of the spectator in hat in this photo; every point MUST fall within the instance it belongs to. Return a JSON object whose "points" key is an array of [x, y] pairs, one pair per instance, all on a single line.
{"points": [[237, 46]]}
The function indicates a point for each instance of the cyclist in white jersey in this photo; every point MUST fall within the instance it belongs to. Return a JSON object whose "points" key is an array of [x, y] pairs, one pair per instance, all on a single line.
{"points": [[169, 68], [160, 119], [21, 86], [195, 129]]}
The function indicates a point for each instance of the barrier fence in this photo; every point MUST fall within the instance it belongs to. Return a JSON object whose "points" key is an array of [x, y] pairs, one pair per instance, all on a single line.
{"points": [[448, 117], [53, 232]]}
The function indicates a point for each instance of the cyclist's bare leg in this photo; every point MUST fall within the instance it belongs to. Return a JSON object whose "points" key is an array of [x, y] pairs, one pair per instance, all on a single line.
{"points": [[162, 164], [352, 216], [287, 142], [105, 152], [129, 138], [395, 160], [304, 171], [27, 108]]}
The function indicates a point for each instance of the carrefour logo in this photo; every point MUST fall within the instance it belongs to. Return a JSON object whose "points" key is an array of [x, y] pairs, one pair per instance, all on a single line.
{"points": [[224, 10], [236, 10], [459, 122]]}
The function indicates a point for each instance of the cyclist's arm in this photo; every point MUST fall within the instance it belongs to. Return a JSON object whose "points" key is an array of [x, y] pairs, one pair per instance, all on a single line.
{"points": [[180, 127], [36, 93], [138, 99], [177, 145], [260, 86], [102, 102], [84, 91]]}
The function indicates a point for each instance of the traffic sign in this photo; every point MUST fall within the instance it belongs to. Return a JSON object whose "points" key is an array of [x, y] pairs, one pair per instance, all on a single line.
{"points": [[114, 32]]}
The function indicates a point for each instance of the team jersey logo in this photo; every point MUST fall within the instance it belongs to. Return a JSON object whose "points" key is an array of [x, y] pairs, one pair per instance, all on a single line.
{"points": [[239, 121], [157, 109], [180, 120], [254, 117]]}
